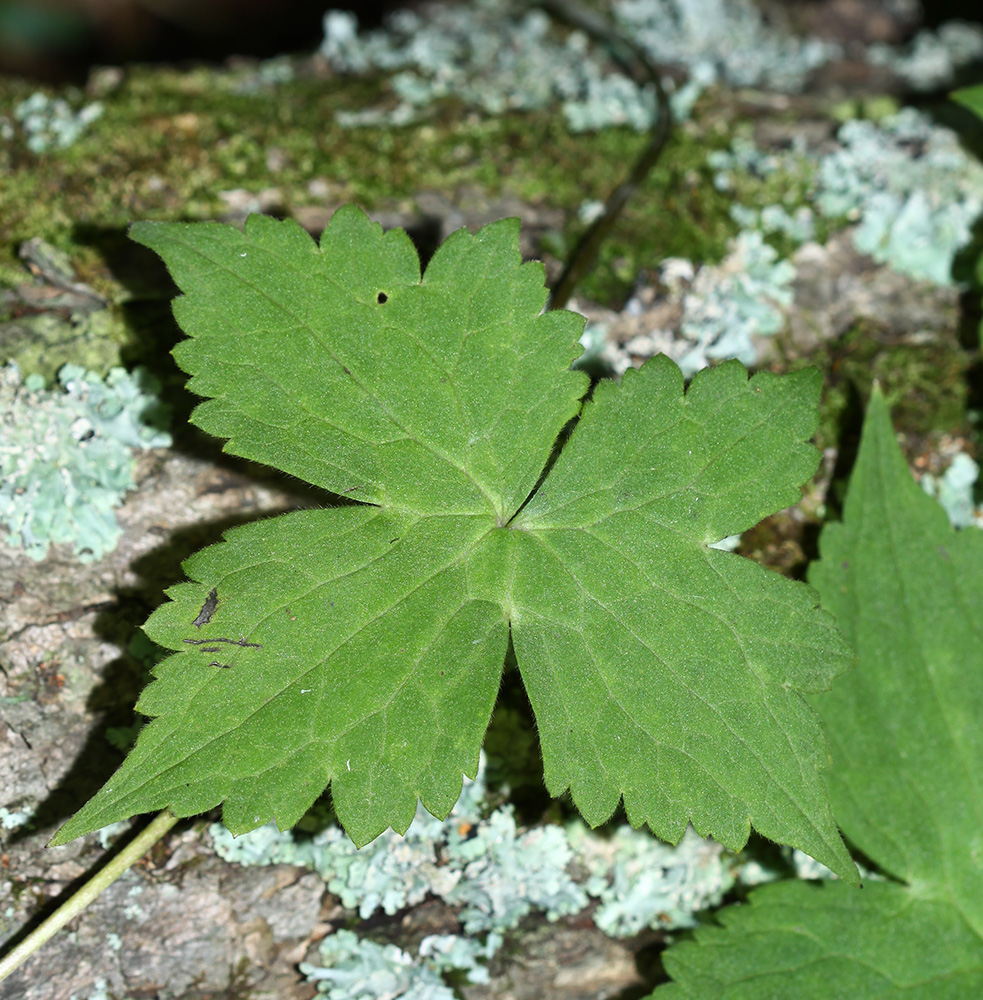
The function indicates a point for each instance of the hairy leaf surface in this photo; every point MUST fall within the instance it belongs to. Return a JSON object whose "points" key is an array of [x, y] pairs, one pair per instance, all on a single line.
{"points": [[362, 646], [907, 782], [828, 941]]}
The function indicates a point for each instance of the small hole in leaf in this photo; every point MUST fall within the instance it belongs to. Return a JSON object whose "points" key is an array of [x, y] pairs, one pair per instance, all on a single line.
{"points": [[382, 297]]}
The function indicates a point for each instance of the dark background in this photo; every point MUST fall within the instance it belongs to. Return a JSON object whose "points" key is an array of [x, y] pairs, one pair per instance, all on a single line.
{"points": [[59, 41]]}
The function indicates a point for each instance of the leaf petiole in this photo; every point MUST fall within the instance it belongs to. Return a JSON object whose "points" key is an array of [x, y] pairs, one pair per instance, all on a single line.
{"points": [[96, 885]]}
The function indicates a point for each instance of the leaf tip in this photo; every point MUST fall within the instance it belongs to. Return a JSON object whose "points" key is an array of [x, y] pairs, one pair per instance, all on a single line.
{"points": [[851, 875], [70, 830], [59, 839]]}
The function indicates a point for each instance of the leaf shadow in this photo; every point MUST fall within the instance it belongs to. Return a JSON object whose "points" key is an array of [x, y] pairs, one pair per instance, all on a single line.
{"points": [[110, 703], [849, 426]]}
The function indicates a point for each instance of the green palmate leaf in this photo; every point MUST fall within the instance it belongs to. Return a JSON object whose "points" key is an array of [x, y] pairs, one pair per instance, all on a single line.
{"points": [[660, 668], [362, 646], [907, 783]]}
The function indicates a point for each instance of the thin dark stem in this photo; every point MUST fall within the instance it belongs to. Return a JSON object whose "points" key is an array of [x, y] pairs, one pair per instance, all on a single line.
{"points": [[636, 63]]}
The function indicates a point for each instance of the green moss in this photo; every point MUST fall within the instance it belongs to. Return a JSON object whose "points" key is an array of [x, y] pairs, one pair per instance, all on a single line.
{"points": [[169, 142], [875, 107], [43, 342], [926, 386], [676, 213], [925, 382]]}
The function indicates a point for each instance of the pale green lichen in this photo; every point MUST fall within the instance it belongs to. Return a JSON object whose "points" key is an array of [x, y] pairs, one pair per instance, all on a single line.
{"points": [[908, 185], [504, 874], [389, 874], [932, 59], [360, 969], [955, 490], [798, 226], [485, 865], [453, 953], [642, 882], [49, 123], [744, 159], [66, 457], [723, 310], [495, 56], [730, 38], [727, 306], [911, 187], [497, 874], [16, 819], [487, 56], [809, 868]]}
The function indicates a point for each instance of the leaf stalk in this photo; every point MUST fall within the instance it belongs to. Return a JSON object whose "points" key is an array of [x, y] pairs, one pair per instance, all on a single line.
{"points": [[96, 885]]}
